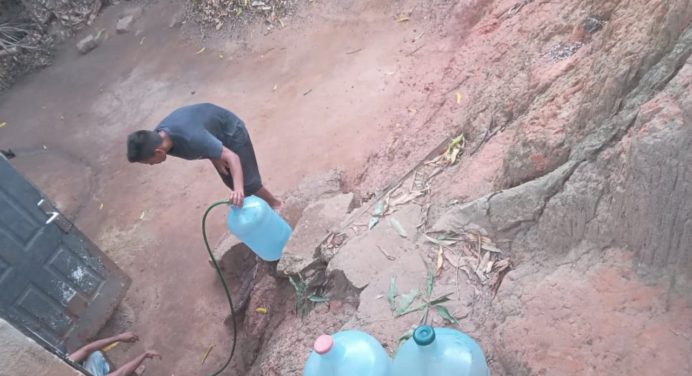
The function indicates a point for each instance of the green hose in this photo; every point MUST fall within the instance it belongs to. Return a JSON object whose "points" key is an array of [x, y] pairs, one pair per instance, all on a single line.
{"points": [[223, 282]]}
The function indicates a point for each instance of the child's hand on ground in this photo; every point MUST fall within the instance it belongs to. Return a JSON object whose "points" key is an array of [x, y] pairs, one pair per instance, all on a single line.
{"points": [[150, 354], [128, 337]]}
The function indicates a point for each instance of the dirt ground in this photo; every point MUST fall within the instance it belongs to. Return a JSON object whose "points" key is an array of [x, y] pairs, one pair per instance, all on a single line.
{"points": [[372, 88], [311, 104]]}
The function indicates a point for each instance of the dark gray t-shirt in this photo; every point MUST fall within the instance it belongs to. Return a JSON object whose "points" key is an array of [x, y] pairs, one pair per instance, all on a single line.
{"points": [[200, 130]]}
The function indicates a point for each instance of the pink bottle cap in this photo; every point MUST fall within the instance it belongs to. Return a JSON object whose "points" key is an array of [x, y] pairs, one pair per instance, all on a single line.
{"points": [[323, 344]]}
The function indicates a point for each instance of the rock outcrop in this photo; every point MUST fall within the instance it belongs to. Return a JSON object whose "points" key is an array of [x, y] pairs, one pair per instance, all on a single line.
{"points": [[592, 200], [318, 221], [604, 239]]}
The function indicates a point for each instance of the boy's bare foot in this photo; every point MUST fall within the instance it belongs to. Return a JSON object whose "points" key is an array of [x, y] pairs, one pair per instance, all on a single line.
{"points": [[267, 196], [278, 205]]}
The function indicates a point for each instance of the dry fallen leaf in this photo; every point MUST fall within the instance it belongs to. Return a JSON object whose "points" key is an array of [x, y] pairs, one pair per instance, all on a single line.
{"points": [[489, 267], [502, 265], [406, 198], [206, 353], [500, 275], [464, 263], [454, 148], [4, 123], [200, 50], [480, 267], [469, 251], [490, 247], [403, 19], [440, 261], [110, 347], [453, 156], [392, 144]]}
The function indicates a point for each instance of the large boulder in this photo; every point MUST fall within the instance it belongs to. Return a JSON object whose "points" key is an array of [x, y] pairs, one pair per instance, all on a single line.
{"points": [[309, 190], [600, 242], [317, 221], [367, 257]]}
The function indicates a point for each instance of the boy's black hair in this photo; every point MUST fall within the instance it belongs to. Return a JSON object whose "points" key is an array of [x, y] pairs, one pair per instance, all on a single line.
{"points": [[141, 145]]}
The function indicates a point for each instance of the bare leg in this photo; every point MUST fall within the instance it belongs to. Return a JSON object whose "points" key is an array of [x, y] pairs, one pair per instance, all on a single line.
{"points": [[267, 196], [129, 368]]}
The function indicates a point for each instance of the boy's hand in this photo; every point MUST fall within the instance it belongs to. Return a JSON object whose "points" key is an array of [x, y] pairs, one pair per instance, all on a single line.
{"points": [[128, 337], [237, 198]]}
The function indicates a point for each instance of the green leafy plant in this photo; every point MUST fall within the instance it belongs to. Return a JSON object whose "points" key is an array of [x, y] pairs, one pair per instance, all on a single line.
{"points": [[304, 300], [404, 304]]}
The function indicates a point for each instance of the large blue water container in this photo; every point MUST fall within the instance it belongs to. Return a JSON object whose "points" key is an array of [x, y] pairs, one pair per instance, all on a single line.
{"points": [[439, 352], [260, 227], [348, 353]]}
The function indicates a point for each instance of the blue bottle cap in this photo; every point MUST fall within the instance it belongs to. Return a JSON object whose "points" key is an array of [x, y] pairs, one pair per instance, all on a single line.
{"points": [[424, 335]]}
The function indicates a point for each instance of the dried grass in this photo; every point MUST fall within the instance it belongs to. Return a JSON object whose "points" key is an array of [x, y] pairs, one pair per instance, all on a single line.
{"points": [[23, 49], [218, 12]]}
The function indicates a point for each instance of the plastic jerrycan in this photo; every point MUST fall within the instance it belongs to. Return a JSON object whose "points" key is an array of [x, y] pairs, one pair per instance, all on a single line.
{"points": [[439, 352], [347, 353], [260, 227]]}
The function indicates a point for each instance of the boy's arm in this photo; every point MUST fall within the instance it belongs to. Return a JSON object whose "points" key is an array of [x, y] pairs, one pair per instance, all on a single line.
{"points": [[84, 351], [231, 160]]}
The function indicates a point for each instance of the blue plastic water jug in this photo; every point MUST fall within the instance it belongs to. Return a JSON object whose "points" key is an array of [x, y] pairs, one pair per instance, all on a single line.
{"points": [[260, 227], [348, 353], [439, 352]]}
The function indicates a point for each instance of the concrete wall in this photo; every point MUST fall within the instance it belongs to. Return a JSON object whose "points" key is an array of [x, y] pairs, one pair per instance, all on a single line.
{"points": [[21, 356]]}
